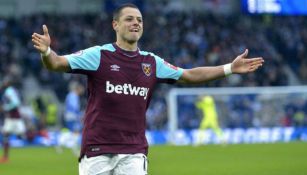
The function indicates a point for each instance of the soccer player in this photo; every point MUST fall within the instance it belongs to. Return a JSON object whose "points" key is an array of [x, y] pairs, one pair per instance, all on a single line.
{"points": [[121, 79], [72, 119], [73, 112], [209, 120], [13, 123]]}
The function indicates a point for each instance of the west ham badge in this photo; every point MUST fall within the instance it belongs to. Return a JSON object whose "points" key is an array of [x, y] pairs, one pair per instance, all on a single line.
{"points": [[146, 69]]}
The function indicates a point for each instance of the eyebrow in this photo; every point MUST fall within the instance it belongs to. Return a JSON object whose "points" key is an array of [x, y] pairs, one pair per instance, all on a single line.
{"points": [[130, 16]]}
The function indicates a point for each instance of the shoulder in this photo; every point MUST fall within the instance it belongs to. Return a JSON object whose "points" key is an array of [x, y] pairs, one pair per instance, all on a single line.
{"points": [[9, 90], [107, 47], [146, 53], [98, 48], [150, 54]]}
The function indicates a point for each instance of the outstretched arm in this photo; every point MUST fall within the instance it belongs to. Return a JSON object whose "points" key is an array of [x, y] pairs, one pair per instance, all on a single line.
{"points": [[240, 65], [49, 58]]}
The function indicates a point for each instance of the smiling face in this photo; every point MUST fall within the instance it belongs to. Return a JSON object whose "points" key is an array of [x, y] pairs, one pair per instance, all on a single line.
{"points": [[128, 26]]}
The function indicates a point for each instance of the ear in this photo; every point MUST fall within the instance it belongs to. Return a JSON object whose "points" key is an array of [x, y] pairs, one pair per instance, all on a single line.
{"points": [[115, 25]]}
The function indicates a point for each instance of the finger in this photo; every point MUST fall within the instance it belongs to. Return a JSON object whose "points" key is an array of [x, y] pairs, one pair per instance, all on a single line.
{"points": [[45, 29], [250, 60], [258, 63], [254, 67], [244, 54], [36, 42], [255, 62], [37, 47], [258, 66], [36, 36]]}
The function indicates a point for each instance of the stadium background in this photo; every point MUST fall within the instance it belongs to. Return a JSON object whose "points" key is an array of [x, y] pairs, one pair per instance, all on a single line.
{"points": [[185, 33]]}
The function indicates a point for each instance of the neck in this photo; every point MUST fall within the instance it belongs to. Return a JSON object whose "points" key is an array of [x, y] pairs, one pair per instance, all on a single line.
{"points": [[127, 46]]}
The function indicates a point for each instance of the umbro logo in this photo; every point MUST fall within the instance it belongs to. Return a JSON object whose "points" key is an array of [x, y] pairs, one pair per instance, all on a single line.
{"points": [[114, 67], [95, 149]]}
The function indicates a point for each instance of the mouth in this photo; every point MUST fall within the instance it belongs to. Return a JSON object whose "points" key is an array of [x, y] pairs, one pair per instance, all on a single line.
{"points": [[134, 30]]}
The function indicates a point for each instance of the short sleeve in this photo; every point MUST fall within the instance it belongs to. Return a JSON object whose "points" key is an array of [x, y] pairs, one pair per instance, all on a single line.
{"points": [[13, 101], [87, 59], [166, 70]]}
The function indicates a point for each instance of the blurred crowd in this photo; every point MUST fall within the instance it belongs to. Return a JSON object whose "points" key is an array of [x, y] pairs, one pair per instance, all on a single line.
{"points": [[183, 39], [248, 110]]}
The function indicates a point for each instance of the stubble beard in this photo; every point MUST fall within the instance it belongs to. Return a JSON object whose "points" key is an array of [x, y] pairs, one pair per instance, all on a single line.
{"points": [[132, 40]]}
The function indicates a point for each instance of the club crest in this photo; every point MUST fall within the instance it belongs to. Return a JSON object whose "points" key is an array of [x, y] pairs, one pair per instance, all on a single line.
{"points": [[146, 69]]}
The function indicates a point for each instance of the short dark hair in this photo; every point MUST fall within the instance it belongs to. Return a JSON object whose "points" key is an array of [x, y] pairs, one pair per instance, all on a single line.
{"points": [[119, 9], [8, 80]]}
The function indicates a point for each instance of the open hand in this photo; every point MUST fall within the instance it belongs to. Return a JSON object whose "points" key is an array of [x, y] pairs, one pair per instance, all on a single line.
{"points": [[41, 42], [242, 64]]}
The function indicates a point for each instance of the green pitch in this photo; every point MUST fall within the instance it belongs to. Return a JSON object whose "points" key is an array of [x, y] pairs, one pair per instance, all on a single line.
{"points": [[256, 159]]}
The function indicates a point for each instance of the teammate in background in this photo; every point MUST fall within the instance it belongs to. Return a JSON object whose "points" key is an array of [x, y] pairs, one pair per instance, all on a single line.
{"points": [[121, 79], [72, 119], [13, 123], [209, 120]]}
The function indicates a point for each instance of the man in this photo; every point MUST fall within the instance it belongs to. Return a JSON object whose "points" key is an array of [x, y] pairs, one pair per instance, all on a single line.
{"points": [[73, 113], [72, 119], [13, 123], [209, 120], [121, 79]]}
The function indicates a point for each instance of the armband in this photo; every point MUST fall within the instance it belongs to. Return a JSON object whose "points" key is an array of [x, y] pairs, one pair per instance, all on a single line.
{"points": [[47, 53], [227, 69]]}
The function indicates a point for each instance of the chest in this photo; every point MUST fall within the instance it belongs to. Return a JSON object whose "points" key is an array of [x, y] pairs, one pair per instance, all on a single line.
{"points": [[140, 70]]}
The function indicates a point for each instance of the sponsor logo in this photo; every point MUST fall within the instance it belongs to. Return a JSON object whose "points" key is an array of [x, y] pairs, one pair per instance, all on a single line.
{"points": [[146, 69], [127, 89], [114, 67], [170, 65]]}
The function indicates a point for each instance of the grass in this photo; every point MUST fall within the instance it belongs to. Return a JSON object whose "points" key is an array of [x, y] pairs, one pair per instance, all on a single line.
{"points": [[256, 159], [40, 161], [253, 159]]}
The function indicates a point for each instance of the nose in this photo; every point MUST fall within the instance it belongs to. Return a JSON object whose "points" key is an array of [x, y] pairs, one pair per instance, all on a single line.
{"points": [[136, 22]]}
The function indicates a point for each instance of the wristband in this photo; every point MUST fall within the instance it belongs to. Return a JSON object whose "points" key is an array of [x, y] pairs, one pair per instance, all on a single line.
{"points": [[227, 69], [47, 53]]}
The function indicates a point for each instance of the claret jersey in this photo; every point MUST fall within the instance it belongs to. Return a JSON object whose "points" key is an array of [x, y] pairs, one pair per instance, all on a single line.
{"points": [[11, 102], [120, 85]]}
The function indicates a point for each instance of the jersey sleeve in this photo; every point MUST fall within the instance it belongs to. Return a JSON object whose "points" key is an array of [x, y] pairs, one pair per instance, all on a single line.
{"points": [[166, 70], [85, 60], [13, 99]]}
